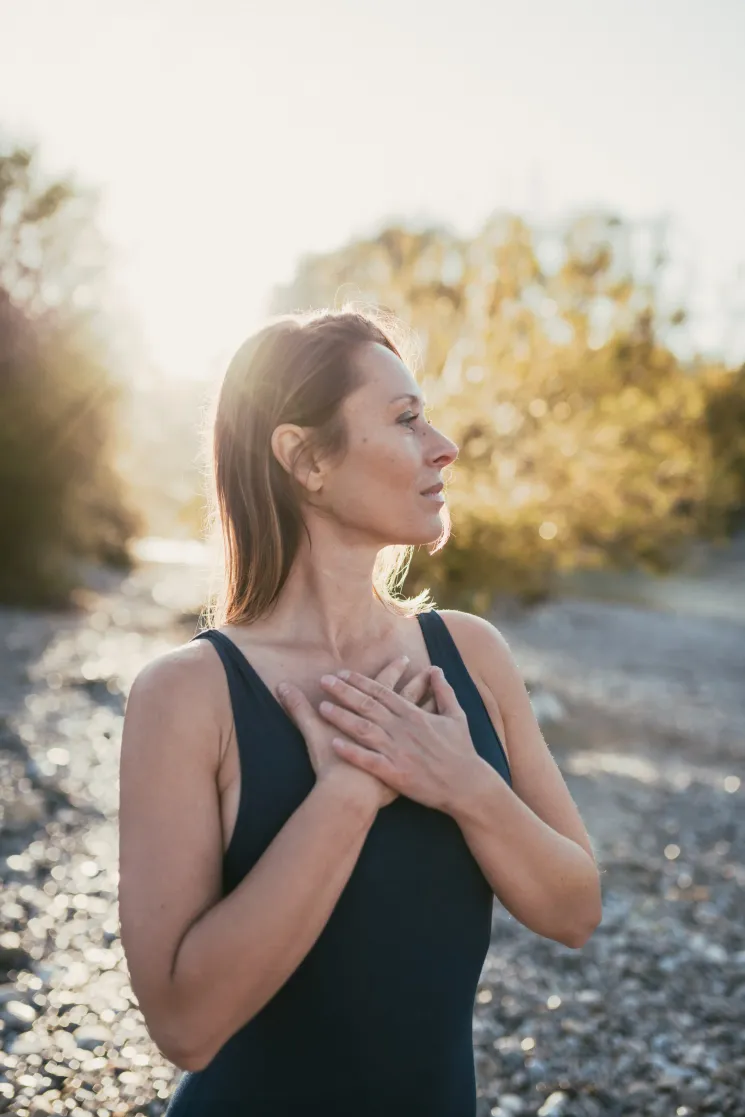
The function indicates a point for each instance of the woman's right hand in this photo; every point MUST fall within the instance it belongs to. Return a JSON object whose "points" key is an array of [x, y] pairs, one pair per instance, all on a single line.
{"points": [[318, 733]]}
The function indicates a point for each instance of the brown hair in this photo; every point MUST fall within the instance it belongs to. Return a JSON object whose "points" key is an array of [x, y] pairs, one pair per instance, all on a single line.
{"points": [[297, 369]]}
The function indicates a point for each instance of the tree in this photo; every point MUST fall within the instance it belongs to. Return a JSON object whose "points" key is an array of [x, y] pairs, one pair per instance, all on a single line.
{"points": [[725, 420], [61, 499], [544, 353]]}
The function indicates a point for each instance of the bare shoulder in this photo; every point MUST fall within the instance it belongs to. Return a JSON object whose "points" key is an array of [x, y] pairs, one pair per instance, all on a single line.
{"points": [[483, 647], [184, 685], [475, 631], [181, 666], [489, 661]]}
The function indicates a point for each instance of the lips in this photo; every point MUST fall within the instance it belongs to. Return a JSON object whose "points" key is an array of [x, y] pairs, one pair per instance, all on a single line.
{"points": [[433, 489]]}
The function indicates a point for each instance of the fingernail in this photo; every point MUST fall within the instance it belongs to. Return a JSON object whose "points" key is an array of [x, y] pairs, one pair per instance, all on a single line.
{"points": [[282, 689], [326, 707], [343, 674], [328, 680]]}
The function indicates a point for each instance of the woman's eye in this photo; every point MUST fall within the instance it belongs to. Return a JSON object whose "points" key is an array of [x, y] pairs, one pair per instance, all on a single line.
{"points": [[408, 419]]}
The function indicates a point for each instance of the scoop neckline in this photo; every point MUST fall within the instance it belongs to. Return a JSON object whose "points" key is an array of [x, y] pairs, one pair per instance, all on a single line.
{"points": [[267, 691]]}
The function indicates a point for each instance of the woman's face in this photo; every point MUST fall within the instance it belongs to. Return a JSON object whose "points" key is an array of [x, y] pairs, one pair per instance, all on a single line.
{"points": [[393, 456]]}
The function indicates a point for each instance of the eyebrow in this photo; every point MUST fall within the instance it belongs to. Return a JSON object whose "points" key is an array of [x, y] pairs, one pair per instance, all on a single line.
{"points": [[411, 398]]}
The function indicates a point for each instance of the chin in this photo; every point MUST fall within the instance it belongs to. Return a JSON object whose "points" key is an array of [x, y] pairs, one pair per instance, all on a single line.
{"points": [[429, 529]]}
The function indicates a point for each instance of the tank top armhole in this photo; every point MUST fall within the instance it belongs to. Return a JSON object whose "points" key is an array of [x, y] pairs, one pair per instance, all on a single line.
{"points": [[222, 646]]}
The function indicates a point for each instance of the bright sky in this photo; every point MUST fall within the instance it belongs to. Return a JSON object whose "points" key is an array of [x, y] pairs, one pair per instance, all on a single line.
{"points": [[231, 136]]}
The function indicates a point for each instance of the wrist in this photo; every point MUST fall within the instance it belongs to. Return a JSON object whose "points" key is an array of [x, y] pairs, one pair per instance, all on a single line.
{"points": [[471, 789], [346, 788]]}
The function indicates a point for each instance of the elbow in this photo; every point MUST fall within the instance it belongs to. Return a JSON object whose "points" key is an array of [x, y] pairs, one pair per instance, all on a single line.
{"points": [[577, 937], [178, 1026], [182, 1056], [582, 929], [188, 1047], [177, 1043], [192, 1063]]}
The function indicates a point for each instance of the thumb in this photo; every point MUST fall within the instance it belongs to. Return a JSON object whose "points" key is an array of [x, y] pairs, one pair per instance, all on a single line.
{"points": [[447, 702]]}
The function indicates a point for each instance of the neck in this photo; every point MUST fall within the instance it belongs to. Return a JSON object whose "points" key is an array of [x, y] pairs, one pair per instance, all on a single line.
{"points": [[327, 601]]}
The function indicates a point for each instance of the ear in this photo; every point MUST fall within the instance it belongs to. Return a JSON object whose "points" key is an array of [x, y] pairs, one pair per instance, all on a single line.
{"points": [[289, 444]]}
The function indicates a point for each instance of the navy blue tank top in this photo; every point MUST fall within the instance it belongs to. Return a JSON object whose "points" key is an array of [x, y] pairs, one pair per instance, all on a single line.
{"points": [[376, 1021]]}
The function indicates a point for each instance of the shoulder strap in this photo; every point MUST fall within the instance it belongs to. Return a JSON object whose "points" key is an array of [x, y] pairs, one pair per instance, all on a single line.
{"points": [[444, 652], [438, 637], [440, 644], [232, 657], [243, 678]]}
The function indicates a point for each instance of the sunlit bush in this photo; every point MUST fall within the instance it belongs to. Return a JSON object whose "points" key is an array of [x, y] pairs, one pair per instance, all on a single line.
{"points": [[549, 356], [61, 500]]}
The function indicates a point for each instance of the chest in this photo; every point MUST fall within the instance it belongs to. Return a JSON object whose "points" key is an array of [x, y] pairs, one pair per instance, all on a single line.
{"points": [[270, 775], [259, 740], [304, 668]]}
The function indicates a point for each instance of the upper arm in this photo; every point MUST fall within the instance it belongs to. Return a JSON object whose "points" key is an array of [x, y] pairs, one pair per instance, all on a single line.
{"points": [[170, 843], [536, 777]]}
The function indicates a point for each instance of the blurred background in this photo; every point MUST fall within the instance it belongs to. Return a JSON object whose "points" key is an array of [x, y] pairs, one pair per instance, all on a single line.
{"points": [[551, 197]]}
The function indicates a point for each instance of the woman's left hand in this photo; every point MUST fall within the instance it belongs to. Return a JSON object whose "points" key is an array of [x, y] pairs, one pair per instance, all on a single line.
{"points": [[428, 757]]}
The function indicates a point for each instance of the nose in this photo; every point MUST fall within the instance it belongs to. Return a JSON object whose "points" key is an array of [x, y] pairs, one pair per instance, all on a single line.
{"points": [[444, 451]]}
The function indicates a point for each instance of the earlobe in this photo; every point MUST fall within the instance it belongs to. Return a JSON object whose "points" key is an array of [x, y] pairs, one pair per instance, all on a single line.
{"points": [[314, 479]]}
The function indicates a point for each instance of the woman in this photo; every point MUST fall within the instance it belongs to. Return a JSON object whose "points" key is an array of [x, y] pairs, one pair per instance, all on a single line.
{"points": [[321, 795]]}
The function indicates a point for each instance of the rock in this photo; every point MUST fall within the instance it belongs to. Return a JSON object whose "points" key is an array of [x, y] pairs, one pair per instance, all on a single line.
{"points": [[553, 1105], [26, 1043], [8, 992], [13, 958], [40, 1108], [512, 1103], [646, 1018], [91, 1036], [18, 1015]]}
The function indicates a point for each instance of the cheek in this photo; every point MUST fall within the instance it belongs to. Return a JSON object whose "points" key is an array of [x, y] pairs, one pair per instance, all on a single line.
{"points": [[376, 477], [394, 461]]}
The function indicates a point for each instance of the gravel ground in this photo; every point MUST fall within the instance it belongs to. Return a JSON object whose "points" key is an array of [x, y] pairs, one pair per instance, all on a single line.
{"points": [[644, 712]]}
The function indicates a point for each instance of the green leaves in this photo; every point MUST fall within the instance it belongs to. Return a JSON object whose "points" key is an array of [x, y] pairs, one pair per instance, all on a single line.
{"points": [[584, 439]]}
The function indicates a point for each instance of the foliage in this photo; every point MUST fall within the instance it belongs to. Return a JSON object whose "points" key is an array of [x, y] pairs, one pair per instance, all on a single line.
{"points": [[725, 420], [547, 354], [61, 500]]}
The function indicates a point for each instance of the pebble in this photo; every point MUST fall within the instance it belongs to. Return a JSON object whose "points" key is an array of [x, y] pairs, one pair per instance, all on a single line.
{"points": [[646, 1019], [91, 1036], [553, 1105], [17, 1015], [512, 1103]]}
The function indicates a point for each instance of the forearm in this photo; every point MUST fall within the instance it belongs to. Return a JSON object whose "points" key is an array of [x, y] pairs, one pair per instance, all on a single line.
{"points": [[547, 881], [240, 952]]}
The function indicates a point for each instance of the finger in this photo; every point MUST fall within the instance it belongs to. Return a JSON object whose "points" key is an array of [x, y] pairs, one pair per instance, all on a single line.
{"points": [[297, 706], [360, 729], [352, 698], [421, 693], [393, 671], [374, 762], [365, 695], [445, 697], [416, 688]]}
